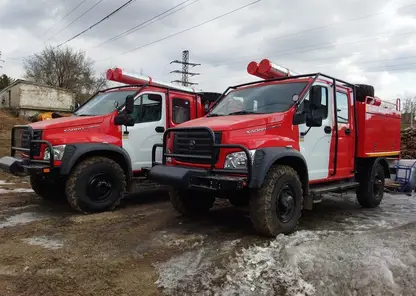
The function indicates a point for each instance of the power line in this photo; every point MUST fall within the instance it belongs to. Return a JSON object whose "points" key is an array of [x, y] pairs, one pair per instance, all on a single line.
{"points": [[185, 69], [91, 8], [329, 25], [337, 23], [97, 23], [82, 2], [188, 29], [317, 46], [147, 22]]}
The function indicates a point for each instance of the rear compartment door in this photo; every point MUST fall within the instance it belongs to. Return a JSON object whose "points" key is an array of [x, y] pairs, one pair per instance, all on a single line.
{"points": [[150, 117], [315, 146]]}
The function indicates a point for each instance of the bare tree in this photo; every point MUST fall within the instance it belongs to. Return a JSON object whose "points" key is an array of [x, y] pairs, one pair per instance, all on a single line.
{"points": [[409, 105], [65, 68]]}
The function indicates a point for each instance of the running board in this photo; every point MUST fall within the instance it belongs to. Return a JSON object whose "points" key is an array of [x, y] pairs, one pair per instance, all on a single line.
{"points": [[337, 187]]}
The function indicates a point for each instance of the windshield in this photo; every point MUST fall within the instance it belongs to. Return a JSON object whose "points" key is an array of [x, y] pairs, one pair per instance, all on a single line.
{"points": [[104, 103], [264, 99]]}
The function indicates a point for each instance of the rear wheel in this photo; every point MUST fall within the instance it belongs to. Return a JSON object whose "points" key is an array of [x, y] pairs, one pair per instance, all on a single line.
{"points": [[97, 184], [371, 189], [53, 190], [191, 203], [276, 207]]}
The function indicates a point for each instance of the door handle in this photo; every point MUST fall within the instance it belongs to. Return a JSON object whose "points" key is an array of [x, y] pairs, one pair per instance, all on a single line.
{"points": [[347, 131], [327, 129], [159, 129]]}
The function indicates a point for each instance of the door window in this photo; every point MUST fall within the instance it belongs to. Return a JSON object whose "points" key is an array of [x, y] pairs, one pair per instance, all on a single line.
{"points": [[147, 108], [181, 110], [342, 107]]}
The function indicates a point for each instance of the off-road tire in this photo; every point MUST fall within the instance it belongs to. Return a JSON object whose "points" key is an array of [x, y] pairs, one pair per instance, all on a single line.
{"points": [[48, 190], [263, 202], [190, 203], [78, 182], [364, 90], [366, 195]]}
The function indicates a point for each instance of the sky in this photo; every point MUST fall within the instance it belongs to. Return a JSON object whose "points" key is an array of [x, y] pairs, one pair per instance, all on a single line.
{"points": [[361, 41]]}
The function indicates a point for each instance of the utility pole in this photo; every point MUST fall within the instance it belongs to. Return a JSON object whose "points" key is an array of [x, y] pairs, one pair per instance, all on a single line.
{"points": [[185, 69]]}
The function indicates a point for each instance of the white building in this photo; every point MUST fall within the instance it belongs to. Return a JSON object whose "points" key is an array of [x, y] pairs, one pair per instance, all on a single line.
{"points": [[28, 98]]}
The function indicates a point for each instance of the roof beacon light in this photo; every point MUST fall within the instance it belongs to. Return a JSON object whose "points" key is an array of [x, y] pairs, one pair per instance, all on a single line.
{"points": [[253, 69], [119, 75], [272, 70]]}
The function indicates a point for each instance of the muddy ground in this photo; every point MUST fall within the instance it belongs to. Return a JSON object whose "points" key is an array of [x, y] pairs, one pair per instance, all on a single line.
{"points": [[145, 248]]}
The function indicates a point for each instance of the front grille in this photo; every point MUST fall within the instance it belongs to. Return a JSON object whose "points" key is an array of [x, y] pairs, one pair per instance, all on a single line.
{"points": [[25, 140], [195, 143]]}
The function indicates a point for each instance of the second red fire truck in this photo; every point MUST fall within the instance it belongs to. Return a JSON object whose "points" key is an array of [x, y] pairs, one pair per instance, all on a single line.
{"points": [[278, 144]]}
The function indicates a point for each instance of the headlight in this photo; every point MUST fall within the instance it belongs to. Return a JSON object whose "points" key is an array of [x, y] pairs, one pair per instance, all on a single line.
{"points": [[58, 152], [238, 160]]}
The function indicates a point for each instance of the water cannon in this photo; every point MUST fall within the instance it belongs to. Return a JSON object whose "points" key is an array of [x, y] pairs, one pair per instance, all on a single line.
{"points": [[118, 75], [272, 70], [267, 70], [253, 69]]}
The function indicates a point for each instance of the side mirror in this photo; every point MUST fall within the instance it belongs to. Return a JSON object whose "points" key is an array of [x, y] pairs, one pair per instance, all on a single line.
{"points": [[313, 120], [129, 104], [124, 119], [315, 97], [299, 118]]}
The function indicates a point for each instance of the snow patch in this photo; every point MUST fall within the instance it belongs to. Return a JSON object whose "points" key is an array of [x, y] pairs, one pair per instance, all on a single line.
{"points": [[20, 219], [45, 242], [2, 182], [18, 190]]}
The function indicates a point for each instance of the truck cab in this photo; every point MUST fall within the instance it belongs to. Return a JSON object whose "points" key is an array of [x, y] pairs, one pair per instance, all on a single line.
{"points": [[91, 157], [277, 145]]}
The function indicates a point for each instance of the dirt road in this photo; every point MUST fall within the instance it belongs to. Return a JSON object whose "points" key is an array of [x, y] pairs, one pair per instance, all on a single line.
{"points": [[144, 248]]}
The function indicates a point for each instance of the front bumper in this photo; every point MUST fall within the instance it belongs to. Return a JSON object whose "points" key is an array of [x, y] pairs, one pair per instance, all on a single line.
{"points": [[23, 167], [187, 178], [212, 178], [27, 165]]}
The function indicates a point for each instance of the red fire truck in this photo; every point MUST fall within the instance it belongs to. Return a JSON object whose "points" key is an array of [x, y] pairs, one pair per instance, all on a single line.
{"points": [[98, 150], [278, 144]]}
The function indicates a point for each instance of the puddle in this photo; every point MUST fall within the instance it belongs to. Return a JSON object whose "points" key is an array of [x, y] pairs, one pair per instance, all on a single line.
{"points": [[20, 219]]}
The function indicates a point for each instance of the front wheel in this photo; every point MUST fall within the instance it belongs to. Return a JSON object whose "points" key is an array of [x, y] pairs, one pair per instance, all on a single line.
{"points": [[276, 207], [97, 184]]}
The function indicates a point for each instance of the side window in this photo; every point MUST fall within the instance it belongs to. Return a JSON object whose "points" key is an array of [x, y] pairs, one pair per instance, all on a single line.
{"points": [[342, 106], [181, 110], [147, 108]]}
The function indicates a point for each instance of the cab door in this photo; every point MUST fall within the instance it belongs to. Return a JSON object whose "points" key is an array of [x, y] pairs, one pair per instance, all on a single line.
{"points": [[345, 153], [150, 124], [315, 143]]}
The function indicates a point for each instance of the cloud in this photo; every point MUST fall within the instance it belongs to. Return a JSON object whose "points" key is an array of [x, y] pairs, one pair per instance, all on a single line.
{"points": [[363, 41]]}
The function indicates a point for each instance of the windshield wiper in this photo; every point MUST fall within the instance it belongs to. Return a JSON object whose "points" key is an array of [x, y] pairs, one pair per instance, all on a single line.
{"points": [[242, 113], [214, 115]]}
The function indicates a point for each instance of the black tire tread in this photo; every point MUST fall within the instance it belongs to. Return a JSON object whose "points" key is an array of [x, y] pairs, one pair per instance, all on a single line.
{"points": [[363, 193], [261, 203], [71, 182]]}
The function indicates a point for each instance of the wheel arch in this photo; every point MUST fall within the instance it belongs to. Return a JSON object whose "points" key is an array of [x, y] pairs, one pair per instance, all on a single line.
{"points": [[265, 158], [76, 153], [365, 162]]}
